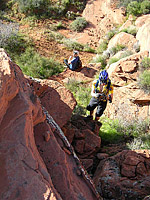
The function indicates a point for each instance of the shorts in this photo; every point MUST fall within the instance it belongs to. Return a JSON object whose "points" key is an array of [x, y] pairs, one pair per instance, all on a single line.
{"points": [[101, 106]]}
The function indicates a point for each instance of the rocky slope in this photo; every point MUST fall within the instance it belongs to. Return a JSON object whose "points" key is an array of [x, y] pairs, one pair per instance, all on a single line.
{"points": [[36, 159]]}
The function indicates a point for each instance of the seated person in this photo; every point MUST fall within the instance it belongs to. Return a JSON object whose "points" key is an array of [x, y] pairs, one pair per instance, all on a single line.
{"points": [[74, 62]]}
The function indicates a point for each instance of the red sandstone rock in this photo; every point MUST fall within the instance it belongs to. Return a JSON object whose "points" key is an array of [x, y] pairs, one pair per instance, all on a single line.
{"points": [[127, 174], [56, 99], [46, 173], [129, 100]]}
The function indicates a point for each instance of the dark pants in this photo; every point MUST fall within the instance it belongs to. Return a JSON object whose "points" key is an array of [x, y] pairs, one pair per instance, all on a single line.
{"points": [[101, 106], [66, 62]]}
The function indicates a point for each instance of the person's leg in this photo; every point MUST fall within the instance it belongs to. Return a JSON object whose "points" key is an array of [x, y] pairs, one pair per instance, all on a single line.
{"points": [[66, 62], [92, 105], [100, 109]]}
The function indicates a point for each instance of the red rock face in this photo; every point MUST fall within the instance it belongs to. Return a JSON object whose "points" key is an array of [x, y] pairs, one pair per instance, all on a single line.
{"points": [[124, 176], [24, 172], [129, 100]]}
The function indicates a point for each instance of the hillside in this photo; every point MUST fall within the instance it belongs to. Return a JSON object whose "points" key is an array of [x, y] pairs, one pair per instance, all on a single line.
{"points": [[50, 149]]}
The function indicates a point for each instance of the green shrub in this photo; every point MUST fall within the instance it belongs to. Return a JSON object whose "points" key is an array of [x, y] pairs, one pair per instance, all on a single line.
{"points": [[118, 130], [140, 143], [100, 59], [102, 47], [89, 49], [10, 39], [109, 133], [126, 54], [113, 50], [33, 64], [33, 6], [111, 33], [131, 30], [54, 36], [145, 63], [79, 24], [112, 60], [71, 44], [144, 81], [134, 8], [82, 94], [145, 7]]}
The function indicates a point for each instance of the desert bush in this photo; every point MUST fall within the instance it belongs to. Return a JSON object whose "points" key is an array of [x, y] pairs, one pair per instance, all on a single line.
{"points": [[7, 31], [142, 142], [82, 94], [134, 8], [124, 129], [112, 60], [54, 36], [145, 64], [71, 44], [113, 50], [79, 24], [144, 81], [126, 54], [102, 47], [10, 39], [131, 30], [89, 49], [100, 59], [111, 33], [109, 133], [33, 6], [37, 66], [145, 7]]}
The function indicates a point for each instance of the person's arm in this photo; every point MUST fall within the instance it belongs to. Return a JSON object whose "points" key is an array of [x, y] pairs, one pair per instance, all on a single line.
{"points": [[69, 60], [93, 92]]}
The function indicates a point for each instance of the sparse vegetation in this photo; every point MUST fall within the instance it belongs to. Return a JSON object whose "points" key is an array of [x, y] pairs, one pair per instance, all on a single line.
{"points": [[145, 64], [135, 8], [33, 7], [134, 131], [131, 30], [144, 81], [144, 78], [100, 59], [112, 60], [102, 47], [37, 66], [79, 24], [111, 33], [116, 48], [82, 94]]}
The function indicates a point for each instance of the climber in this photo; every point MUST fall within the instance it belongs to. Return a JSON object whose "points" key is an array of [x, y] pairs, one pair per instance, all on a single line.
{"points": [[102, 90], [73, 63]]}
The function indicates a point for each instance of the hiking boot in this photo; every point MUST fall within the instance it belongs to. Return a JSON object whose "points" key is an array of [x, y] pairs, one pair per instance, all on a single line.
{"points": [[89, 117]]}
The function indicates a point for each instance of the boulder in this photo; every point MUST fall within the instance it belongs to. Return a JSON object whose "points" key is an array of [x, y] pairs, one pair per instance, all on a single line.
{"points": [[122, 38], [143, 36], [125, 175], [129, 101], [55, 98]]}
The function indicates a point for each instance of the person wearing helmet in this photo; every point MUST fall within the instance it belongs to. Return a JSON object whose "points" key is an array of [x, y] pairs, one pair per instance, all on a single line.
{"points": [[74, 61], [102, 91]]}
